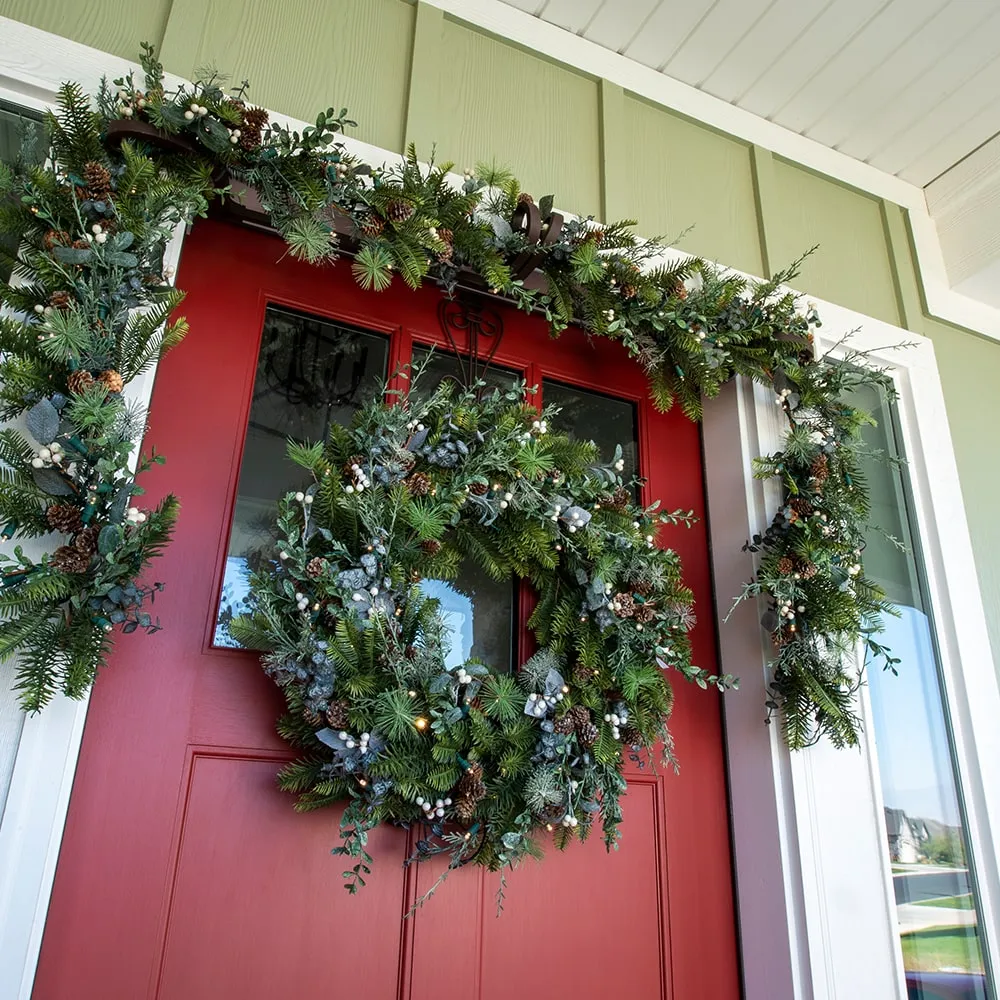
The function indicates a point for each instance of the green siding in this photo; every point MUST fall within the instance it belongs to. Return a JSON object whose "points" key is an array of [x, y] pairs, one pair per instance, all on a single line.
{"points": [[680, 176], [114, 26], [499, 102], [851, 266], [300, 60]]}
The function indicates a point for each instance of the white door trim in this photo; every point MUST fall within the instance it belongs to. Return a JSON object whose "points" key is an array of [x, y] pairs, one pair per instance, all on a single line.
{"points": [[798, 913]]}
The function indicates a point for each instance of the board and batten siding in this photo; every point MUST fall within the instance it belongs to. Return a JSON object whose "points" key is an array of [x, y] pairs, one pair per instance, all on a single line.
{"points": [[411, 73]]}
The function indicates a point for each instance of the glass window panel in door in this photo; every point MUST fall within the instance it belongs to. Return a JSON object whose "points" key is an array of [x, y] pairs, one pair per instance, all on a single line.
{"points": [[311, 373], [479, 611], [933, 878]]}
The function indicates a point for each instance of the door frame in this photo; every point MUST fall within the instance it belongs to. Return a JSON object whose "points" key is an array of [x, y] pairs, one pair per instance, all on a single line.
{"points": [[788, 811]]}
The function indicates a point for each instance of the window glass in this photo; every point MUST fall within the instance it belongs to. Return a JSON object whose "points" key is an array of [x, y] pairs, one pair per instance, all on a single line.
{"points": [[479, 611], [591, 416], [934, 883], [311, 373], [13, 122]]}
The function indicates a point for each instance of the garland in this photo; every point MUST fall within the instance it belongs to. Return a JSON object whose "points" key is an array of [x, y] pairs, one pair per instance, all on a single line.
{"points": [[88, 308]]}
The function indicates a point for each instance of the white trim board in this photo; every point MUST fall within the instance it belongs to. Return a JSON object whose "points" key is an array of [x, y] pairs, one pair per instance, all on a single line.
{"points": [[553, 42], [796, 931]]}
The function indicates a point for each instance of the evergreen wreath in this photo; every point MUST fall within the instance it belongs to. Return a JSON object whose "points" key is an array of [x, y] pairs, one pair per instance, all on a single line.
{"points": [[477, 757], [88, 307]]}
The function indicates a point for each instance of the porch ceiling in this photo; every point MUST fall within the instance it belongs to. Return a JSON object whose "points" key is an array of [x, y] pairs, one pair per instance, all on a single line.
{"points": [[908, 86]]}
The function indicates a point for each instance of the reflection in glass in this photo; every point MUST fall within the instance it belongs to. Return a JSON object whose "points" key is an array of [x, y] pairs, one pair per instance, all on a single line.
{"points": [[311, 373], [478, 611], [943, 950], [589, 416]]}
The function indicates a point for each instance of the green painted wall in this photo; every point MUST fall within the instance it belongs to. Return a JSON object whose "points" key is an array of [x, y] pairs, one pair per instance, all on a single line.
{"points": [[407, 72]]}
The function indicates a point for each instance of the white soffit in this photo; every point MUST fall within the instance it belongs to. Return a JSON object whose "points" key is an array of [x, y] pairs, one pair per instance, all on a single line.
{"points": [[908, 86]]}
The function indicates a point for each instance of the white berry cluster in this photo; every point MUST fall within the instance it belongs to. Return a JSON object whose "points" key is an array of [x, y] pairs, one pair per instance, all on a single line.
{"points": [[361, 742], [306, 498], [48, 456], [569, 820], [44, 311], [361, 480], [786, 610], [854, 569], [620, 465], [195, 110], [782, 396], [432, 809], [135, 516], [615, 721], [539, 704], [505, 501], [301, 601], [234, 135], [463, 676], [96, 234]]}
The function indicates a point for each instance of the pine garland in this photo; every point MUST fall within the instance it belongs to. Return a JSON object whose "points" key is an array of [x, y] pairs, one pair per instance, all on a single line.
{"points": [[87, 306]]}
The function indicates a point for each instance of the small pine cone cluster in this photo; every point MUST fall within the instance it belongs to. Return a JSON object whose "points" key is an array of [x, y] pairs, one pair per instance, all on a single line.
{"points": [[808, 570], [60, 300], [315, 566], [619, 500], [582, 724], [254, 120], [801, 506], [56, 238], [97, 177], [582, 674], [62, 517], [680, 290], [447, 237], [564, 725], [631, 736], [430, 546], [312, 717], [86, 540], [348, 468], [69, 559], [80, 245], [786, 565], [111, 380], [418, 483], [372, 227], [478, 489], [399, 210], [525, 199], [645, 612], [641, 587], [623, 605], [79, 381], [629, 291], [469, 792], [820, 470], [337, 715]]}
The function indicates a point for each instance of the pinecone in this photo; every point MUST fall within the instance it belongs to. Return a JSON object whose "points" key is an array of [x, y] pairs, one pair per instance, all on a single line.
{"points": [[98, 181], [631, 736], [624, 605], [785, 565], [431, 546], [254, 120], [801, 506], [595, 235], [67, 559], [86, 540], [587, 734], [582, 674], [315, 566], [680, 291], [418, 483], [478, 489], [620, 499], [113, 382], [641, 587], [564, 725], [55, 238], [446, 236], [80, 381], [60, 300], [80, 245], [629, 291], [525, 199], [312, 717], [820, 469], [469, 792], [808, 570], [372, 226], [399, 210], [62, 517], [644, 612], [337, 715]]}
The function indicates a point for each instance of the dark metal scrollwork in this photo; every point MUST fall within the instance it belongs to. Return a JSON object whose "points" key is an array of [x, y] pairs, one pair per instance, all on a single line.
{"points": [[474, 330]]}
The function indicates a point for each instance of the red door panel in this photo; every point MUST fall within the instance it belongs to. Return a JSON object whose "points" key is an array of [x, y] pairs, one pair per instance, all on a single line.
{"points": [[185, 875]]}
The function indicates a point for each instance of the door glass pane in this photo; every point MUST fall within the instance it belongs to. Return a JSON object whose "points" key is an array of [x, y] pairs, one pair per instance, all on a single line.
{"points": [[311, 373], [13, 121], [591, 416], [935, 887], [479, 611]]}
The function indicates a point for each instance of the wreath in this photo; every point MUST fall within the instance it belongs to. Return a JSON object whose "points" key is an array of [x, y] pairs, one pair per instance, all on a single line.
{"points": [[477, 756]]}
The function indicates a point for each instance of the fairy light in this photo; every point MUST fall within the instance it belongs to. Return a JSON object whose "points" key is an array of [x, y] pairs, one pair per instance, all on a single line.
{"points": [[420, 723]]}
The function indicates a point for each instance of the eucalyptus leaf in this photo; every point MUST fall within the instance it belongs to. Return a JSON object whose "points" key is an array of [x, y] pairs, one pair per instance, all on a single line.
{"points": [[109, 539], [52, 482], [43, 421]]}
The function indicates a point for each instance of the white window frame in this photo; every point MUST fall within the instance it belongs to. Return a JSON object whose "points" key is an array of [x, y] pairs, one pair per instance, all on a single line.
{"points": [[811, 927]]}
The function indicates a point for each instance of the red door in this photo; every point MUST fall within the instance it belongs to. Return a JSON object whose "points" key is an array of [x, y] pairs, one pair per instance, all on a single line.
{"points": [[184, 872]]}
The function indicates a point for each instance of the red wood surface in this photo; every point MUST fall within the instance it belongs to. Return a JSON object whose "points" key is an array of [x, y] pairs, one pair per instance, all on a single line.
{"points": [[186, 875]]}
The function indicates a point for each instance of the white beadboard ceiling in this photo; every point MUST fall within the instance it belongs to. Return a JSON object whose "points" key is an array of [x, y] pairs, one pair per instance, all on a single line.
{"points": [[909, 86]]}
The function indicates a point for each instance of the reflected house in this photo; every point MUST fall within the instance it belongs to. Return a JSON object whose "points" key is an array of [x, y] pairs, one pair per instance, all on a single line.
{"points": [[906, 835]]}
